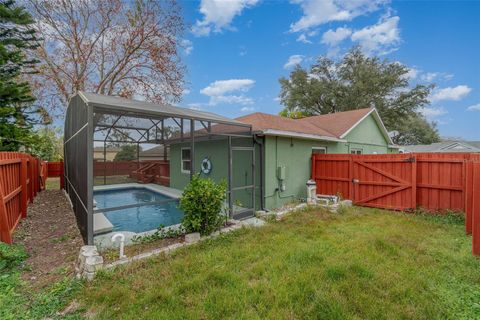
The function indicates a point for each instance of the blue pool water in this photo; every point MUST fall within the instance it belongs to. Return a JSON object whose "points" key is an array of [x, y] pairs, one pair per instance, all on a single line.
{"points": [[141, 218]]}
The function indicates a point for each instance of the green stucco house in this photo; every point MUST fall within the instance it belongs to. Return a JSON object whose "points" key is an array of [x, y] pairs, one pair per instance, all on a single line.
{"points": [[281, 149]]}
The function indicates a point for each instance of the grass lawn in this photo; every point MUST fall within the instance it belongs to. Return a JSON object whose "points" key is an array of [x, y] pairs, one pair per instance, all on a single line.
{"points": [[52, 183], [362, 264]]}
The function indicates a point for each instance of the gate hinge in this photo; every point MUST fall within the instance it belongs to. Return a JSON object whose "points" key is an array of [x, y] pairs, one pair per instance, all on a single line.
{"points": [[411, 159]]}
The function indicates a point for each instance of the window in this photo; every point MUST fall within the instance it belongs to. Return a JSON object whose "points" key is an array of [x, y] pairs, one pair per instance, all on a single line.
{"points": [[319, 150], [186, 160], [356, 151]]}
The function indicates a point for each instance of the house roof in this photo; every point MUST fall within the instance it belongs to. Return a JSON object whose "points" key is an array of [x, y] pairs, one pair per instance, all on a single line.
{"points": [[153, 152], [334, 126], [338, 123], [446, 147]]}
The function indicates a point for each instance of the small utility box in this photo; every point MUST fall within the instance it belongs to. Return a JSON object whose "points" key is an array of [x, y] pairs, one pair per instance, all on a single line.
{"points": [[281, 172]]}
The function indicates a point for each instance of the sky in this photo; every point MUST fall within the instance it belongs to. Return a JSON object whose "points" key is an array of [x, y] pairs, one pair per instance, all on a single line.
{"points": [[236, 50]]}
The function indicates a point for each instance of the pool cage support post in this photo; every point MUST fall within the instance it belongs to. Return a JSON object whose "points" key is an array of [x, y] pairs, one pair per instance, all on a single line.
{"points": [[229, 191], [192, 148], [90, 175]]}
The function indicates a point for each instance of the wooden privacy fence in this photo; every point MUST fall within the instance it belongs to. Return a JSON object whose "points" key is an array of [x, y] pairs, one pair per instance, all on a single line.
{"points": [[21, 178], [55, 169], [432, 181], [113, 168]]}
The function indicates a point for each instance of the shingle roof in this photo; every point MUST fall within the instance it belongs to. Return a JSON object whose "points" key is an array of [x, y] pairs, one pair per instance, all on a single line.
{"points": [[332, 125], [446, 146], [337, 123]]}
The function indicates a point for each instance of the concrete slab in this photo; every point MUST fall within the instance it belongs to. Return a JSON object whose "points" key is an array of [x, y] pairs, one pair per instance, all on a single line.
{"points": [[253, 222], [101, 224]]}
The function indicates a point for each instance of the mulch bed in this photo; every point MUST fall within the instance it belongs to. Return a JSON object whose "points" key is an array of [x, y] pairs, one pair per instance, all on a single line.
{"points": [[51, 238]]}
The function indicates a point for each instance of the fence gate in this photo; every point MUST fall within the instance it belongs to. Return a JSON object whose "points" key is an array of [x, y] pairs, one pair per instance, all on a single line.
{"points": [[384, 182]]}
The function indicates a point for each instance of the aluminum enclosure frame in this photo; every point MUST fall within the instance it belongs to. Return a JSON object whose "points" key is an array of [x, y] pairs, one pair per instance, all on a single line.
{"points": [[80, 127]]}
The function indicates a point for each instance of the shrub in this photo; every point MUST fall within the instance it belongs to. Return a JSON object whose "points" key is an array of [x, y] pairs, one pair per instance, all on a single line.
{"points": [[202, 202]]}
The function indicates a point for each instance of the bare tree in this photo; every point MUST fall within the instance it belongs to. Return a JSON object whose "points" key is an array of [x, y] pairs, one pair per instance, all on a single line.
{"points": [[113, 47]]}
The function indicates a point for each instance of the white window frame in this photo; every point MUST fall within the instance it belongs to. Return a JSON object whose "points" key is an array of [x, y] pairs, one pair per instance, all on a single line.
{"points": [[183, 160], [319, 148], [356, 150]]}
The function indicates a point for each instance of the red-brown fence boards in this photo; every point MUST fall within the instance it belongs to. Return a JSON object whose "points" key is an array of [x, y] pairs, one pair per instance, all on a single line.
{"points": [[384, 182], [20, 180], [55, 169], [440, 181]]}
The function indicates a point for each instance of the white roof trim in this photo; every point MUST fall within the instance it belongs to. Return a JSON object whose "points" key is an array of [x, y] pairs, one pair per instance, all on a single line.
{"points": [[281, 133], [455, 144], [379, 121]]}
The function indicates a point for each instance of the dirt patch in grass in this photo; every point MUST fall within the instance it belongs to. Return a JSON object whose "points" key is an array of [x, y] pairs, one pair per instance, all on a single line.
{"points": [[111, 255], [51, 239]]}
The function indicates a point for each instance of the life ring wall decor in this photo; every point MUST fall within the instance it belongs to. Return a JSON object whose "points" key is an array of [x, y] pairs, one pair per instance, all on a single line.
{"points": [[206, 166]]}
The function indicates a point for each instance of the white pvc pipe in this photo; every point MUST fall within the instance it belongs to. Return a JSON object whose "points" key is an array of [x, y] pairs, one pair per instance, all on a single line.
{"points": [[122, 243]]}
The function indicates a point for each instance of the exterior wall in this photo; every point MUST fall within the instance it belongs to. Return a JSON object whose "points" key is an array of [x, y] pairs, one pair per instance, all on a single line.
{"points": [[295, 155], [110, 155], [217, 151], [368, 137]]}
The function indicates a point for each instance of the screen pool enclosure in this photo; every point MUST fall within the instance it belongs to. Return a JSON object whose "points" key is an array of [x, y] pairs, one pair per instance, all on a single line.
{"points": [[111, 140]]}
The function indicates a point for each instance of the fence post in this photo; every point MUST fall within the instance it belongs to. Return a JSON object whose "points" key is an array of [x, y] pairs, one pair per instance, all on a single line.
{"points": [[414, 183], [476, 210], [5, 234], [23, 182], [31, 181], [351, 187], [468, 196]]}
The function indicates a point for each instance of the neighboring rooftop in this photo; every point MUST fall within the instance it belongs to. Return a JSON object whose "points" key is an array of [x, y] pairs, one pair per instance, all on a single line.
{"points": [[446, 147]]}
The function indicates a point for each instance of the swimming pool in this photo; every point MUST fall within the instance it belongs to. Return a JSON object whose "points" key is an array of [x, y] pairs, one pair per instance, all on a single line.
{"points": [[142, 215]]}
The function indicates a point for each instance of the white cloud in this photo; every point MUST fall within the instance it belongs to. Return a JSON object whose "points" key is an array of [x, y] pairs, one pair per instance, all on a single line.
{"points": [[334, 37], [293, 61], [303, 38], [430, 76], [475, 107], [220, 91], [195, 106], [247, 109], [380, 38], [218, 14], [450, 93], [318, 12], [412, 73], [187, 46], [433, 112]]}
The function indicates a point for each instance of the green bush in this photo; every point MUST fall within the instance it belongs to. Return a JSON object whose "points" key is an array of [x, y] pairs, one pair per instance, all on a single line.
{"points": [[202, 202]]}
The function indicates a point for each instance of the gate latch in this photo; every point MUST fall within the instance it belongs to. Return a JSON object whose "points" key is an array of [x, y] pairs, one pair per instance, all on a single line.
{"points": [[356, 181], [411, 159]]}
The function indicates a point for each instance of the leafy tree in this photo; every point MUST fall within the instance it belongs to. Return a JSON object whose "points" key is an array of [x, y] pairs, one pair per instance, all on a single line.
{"points": [[358, 81], [110, 47], [417, 130], [46, 144], [17, 113], [127, 153]]}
